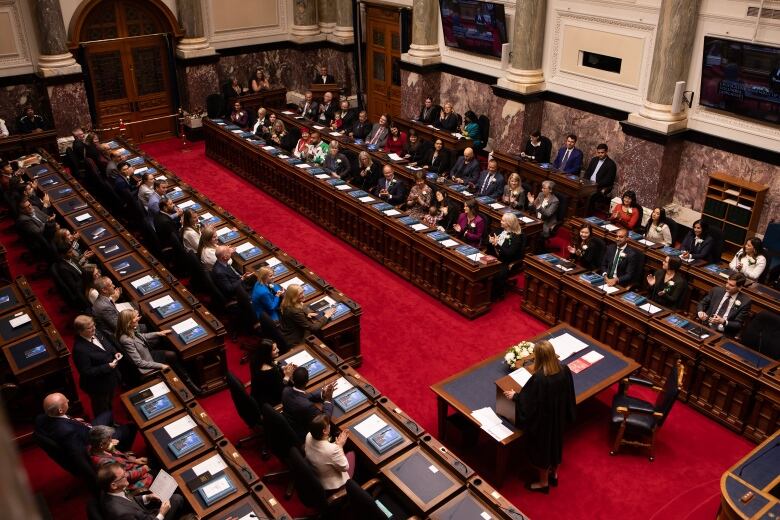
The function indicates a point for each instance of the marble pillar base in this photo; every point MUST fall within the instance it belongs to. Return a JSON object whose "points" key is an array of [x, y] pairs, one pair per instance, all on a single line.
{"points": [[342, 35], [664, 127], [422, 55], [327, 27], [522, 81], [305, 31], [194, 48], [59, 65]]}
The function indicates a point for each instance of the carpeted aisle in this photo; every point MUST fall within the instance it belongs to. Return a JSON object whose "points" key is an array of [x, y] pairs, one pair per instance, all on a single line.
{"points": [[410, 341]]}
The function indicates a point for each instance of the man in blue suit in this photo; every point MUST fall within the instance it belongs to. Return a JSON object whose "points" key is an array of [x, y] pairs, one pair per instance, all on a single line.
{"points": [[298, 406], [569, 158], [389, 188], [490, 182]]}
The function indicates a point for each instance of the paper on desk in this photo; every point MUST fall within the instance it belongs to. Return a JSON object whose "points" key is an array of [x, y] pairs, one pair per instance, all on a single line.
{"points": [[223, 230], [485, 515], [526, 220], [282, 156], [342, 385], [458, 135], [157, 390], [239, 131], [300, 358], [160, 178], [288, 113], [395, 157], [592, 357], [322, 176], [186, 204], [273, 261], [139, 171], [337, 134], [419, 226], [370, 426], [449, 242], [268, 148], [367, 198], [159, 302], [205, 216], [303, 166], [486, 416], [344, 187], [19, 320], [497, 205], [431, 126], [246, 246], [141, 281], [415, 168], [565, 345], [180, 426], [391, 212], [467, 193], [646, 242], [521, 376], [184, 326], [215, 487], [319, 127], [608, 289], [163, 486], [124, 306], [293, 280], [213, 465], [498, 431], [611, 227], [82, 217], [649, 307]]}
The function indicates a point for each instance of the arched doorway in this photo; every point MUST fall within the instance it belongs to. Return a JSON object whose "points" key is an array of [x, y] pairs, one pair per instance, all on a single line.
{"points": [[125, 48]]}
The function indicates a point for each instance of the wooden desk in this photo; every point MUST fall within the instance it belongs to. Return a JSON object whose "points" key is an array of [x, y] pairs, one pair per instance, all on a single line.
{"points": [[38, 319], [764, 417], [271, 98], [625, 326], [187, 474], [582, 303], [158, 439], [126, 266], [151, 313], [324, 372], [475, 388], [16, 145], [70, 205], [11, 298], [755, 473], [427, 133], [543, 282], [375, 459], [250, 504], [174, 393]]}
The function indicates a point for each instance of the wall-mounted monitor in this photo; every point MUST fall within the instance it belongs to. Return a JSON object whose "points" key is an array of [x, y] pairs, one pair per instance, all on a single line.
{"points": [[474, 26], [742, 78]]}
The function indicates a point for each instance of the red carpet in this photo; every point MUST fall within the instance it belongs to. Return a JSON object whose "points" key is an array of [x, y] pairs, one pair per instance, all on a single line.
{"points": [[410, 341]]}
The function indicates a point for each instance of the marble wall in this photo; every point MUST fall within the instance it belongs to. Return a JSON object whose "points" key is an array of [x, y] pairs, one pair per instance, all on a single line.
{"points": [[698, 161], [290, 68], [14, 98], [196, 83], [70, 107]]}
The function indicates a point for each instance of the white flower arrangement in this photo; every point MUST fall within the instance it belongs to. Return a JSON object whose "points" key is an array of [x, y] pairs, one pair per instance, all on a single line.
{"points": [[585, 247], [519, 351], [622, 255], [737, 303], [660, 228], [751, 261], [629, 210]]}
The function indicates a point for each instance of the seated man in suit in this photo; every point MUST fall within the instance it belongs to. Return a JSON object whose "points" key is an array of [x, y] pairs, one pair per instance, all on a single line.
{"points": [[167, 223], [234, 285], [380, 132], [125, 185], [448, 120], [466, 169], [603, 171], [537, 148], [117, 503], [32, 220], [72, 433], [327, 110], [298, 406], [323, 78], [336, 161], [620, 265], [112, 168], [104, 309], [390, 189], [429, 113], [362, 127], [726, 309], [97, 362], [490, 182], [344, 118], [569, 158], [310, 109]]}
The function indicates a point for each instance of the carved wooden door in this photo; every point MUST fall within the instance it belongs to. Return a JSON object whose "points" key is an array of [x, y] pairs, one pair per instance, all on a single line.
{"points": [[383, 60]]}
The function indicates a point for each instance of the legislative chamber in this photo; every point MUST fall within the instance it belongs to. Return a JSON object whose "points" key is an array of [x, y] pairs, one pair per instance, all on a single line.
{"points": [[441, 259]]}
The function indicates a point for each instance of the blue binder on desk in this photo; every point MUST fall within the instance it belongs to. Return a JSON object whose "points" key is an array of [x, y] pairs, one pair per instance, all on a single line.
{"points": [[358, 194], [545, 166], [408, 221], [486, 200], [279, 269], [335, 182], [231, 126], [467, 250], [633, 235], [156, 406], [112, 145], [595, 221], [247, 135], [314, 367], [166, 310], [382, 206], [636, 299], [670, 251], [185, 443], [250, 253], [431, 176], [550, 259], [350, 399], [458, 187], [150, 286], [188, 336], [293, 161], [227, 237], [209, 499], [316, 170], [209, 221], [592, 278], [439, 236], [385, 439], [135, 161], [255, 141]]}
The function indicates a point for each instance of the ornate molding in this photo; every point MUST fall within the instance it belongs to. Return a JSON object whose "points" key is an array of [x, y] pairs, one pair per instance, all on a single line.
{"points": [[737, 124], [22, 56], [247, 33]]}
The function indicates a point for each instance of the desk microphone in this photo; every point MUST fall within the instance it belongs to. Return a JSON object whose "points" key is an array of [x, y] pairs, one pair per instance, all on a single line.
{"points": [[243, 467], [208, 425], [512, 512]]}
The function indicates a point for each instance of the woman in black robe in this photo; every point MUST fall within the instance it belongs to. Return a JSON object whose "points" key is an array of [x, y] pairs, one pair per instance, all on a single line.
{"points": [[545, 406]]}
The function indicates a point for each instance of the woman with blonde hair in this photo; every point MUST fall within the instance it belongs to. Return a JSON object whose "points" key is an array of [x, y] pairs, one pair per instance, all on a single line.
{"points": [[544, 407], [207, 247], [514, 194], [266, 296], [298, 320]]}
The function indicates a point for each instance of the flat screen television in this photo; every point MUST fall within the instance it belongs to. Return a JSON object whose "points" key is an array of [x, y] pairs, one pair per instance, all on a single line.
{"points": [[742, 78], [473, 26]]}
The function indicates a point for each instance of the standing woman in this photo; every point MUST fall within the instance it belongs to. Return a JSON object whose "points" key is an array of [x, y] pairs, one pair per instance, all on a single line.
{"points": [[545, 405], [545, 205], [470, 226], [508, 246], [281, 136], [750, 260], [514, 195], [266, 296], [268, 378], [298, 320], [260, 82], [626, 214], [656, 229]]}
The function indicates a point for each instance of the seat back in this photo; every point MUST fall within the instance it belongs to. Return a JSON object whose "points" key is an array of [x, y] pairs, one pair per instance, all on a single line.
{"points": [[307, 484], [763, 334], [278, 433], [246, 406], [667, 396], [717, 243], [362, 503], [771, 242], [674, 230], [77, 465], [94, 511], [215, 105], [641, 211], [484, 128]]}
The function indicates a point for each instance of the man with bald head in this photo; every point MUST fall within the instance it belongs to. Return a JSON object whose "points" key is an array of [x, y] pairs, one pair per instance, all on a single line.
{"points": [[466, 169], [72, 433], [234, 285], [327, 110]]}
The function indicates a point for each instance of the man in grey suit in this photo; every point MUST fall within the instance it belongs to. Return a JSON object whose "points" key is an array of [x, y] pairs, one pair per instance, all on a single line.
{"points": [[726, 309], [34, 221], [116, 503], [104, 309], [298, 406]]}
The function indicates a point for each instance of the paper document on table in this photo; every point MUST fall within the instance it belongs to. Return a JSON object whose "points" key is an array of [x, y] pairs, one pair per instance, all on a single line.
{"points": [[370, 426], [303, 166], [649, 307], [213, 465], [419, 226], [565, 345], [300, 358], [82, 217], [159, 302], [288, 113], [611, 227], [164, 486], [246, 246], [646, 242], [394, 157], [391, 212], [449, 242], [344, 187], [342, 385], [608, 289], [273, 261], [592, 356], [124, 306], [498, 431], [184, 326], [497, 205], [319, 127], [486, 416], [157, 390], [337, 134], [526, 220], [287, 283], [215, 487], [222, 231], [322, 176], [141, 281], [367, 198], [19, 320], [521, 376], [180, 426]]}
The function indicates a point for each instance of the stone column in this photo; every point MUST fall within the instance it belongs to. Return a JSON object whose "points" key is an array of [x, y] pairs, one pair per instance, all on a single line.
{"points": [[671, 59], [55, 58], [194, 44], [326, 15], [343, 32], [424, 49], [525, 71], [305, 26]]}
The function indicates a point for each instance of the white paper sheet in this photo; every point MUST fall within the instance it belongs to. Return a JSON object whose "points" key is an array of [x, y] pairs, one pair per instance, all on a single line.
{"points": [[300, 358], [139, 171], [205, 216], [449, 243], [649, 307], [184, 326], [526, 220], [608, 289], [83, 217], [498, 431], [282, 156], [213, 465], [367, 198], [336, 134], [180, 426], [246, 246], [344, 187], [157, 390], [521, 376], [467, 193], [319, 127], [273, 261], [419, 226], [19, 320], [370, 426], [394, 157], [288, 113], [159, 302], [186, 204], [303, 166], [322, 176], [342, 385], [497, 205], [268, 148], [391, 212], [611, 227], [141, 281], [124, 306], [486, 416], [164, 486], [565, 345], [215, 487], [592, 357], [293, 280], [646, 242]]}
